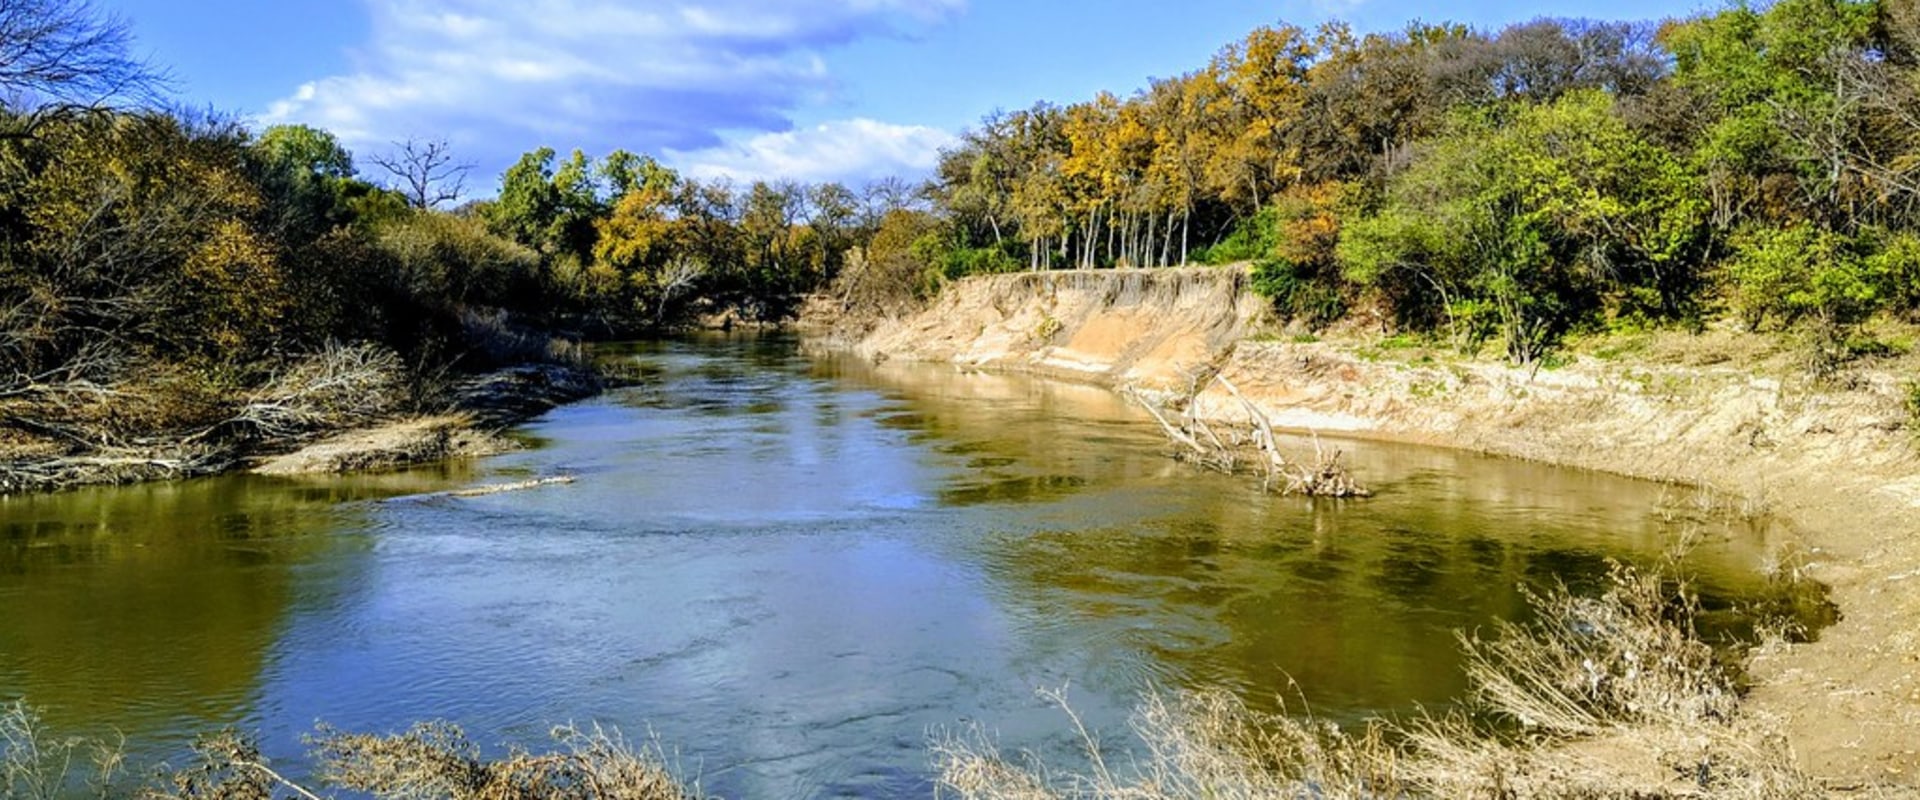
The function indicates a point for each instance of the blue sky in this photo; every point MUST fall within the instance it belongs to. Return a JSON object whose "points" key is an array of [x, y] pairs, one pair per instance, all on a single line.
{"points": [[807, 89]]}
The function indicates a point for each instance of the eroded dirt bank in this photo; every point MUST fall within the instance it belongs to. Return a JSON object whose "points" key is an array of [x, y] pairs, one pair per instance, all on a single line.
{"points": [[1835, 459], [1134, 327]]}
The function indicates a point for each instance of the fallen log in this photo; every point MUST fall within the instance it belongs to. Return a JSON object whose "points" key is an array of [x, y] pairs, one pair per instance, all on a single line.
{"points": [[1256, 447]]}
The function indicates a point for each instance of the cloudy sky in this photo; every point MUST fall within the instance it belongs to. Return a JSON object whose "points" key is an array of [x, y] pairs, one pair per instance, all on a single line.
{"points": [[804, 89]]}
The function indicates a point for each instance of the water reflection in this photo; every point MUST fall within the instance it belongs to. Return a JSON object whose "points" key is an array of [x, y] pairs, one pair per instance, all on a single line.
{"points": [[792, 570], [153, 610], [1178, 577]]}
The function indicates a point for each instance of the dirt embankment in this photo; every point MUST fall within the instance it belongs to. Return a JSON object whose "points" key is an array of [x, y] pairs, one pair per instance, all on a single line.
{"points": [[1137, 327], [1835, 459]]}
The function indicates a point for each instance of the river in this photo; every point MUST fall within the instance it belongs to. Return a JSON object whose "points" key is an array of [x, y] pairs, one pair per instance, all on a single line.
{"points": [[793, 571]]}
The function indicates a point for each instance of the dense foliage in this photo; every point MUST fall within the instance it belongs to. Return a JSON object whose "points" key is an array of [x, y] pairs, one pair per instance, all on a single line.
{"points": [[1760, 161], [157, 267]]}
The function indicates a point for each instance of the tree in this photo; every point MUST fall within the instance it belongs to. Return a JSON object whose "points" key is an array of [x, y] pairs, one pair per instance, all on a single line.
{"points": [[302, 148], [65, 53], [425, 172], [304, 173], [1265, 75], [1785, 129], [528, 201], [641, 240], [131, 240], [1535, 220]]}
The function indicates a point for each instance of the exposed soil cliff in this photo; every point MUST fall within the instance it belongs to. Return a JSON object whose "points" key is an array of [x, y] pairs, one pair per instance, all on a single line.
{"points": [[1836, 458], [1138, 327]]}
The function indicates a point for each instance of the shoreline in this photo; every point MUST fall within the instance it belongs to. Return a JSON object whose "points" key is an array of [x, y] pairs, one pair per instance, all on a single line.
{"points": [[1836, 463], [470, 426]]}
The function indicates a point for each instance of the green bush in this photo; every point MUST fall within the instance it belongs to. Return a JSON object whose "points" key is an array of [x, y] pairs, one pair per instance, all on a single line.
{"points": [[1804, 273], [961, 262], [1316, 301], [1896, 262], [1253, 238]]}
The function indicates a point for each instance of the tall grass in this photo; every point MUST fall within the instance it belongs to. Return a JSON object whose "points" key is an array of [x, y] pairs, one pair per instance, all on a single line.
{"points": [[35, 764]]}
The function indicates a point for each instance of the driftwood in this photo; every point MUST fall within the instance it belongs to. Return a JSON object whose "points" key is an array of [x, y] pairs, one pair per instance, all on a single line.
{"points": [[498, 488], [484, 491], [1252, 447]]}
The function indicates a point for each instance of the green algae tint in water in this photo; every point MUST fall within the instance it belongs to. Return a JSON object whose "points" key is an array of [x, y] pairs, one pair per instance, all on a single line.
{"points": [[793, 571]]}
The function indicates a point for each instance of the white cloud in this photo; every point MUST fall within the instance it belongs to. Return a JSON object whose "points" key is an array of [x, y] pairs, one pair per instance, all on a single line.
{"points": [[499, 77], [851, 150]]}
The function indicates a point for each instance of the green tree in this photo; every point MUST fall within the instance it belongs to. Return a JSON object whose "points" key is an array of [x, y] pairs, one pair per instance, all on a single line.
{"points": [[529, 203], [305, 176], [1546, 215]]}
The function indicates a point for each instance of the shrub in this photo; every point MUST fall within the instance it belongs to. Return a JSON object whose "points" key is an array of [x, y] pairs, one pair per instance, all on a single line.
{"points": [[1252, 238], [1803, 272], [456, 259], [1315, 300]]}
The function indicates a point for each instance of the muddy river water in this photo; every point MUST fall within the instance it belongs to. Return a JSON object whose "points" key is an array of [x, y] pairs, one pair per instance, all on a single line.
{"points": [[793, 571]]}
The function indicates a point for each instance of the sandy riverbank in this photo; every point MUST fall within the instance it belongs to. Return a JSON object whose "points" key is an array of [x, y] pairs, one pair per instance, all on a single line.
{"points": [[1834, 458]]}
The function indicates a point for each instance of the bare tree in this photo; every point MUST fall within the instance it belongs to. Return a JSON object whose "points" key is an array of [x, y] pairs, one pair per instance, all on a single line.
{"points": [[424, 171], [64, 54]]}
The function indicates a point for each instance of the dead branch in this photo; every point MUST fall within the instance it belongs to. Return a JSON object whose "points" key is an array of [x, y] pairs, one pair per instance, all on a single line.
{"points": [[339, 387], [1253, 445], [424, 171]]}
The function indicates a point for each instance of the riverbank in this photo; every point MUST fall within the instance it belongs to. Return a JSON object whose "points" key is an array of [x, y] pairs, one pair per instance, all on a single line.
{"points": [[466, 423], [1834, 458]]}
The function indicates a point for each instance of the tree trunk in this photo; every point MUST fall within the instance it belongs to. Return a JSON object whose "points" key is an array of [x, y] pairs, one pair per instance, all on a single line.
{"points": [[1186, 225]]}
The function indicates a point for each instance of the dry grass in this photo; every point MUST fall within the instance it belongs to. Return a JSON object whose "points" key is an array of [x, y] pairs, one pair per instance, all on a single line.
{"points": [[436, 760], [431, 761], [1607, 697], [37, 765], [1589, 665], [1197, 745]]}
